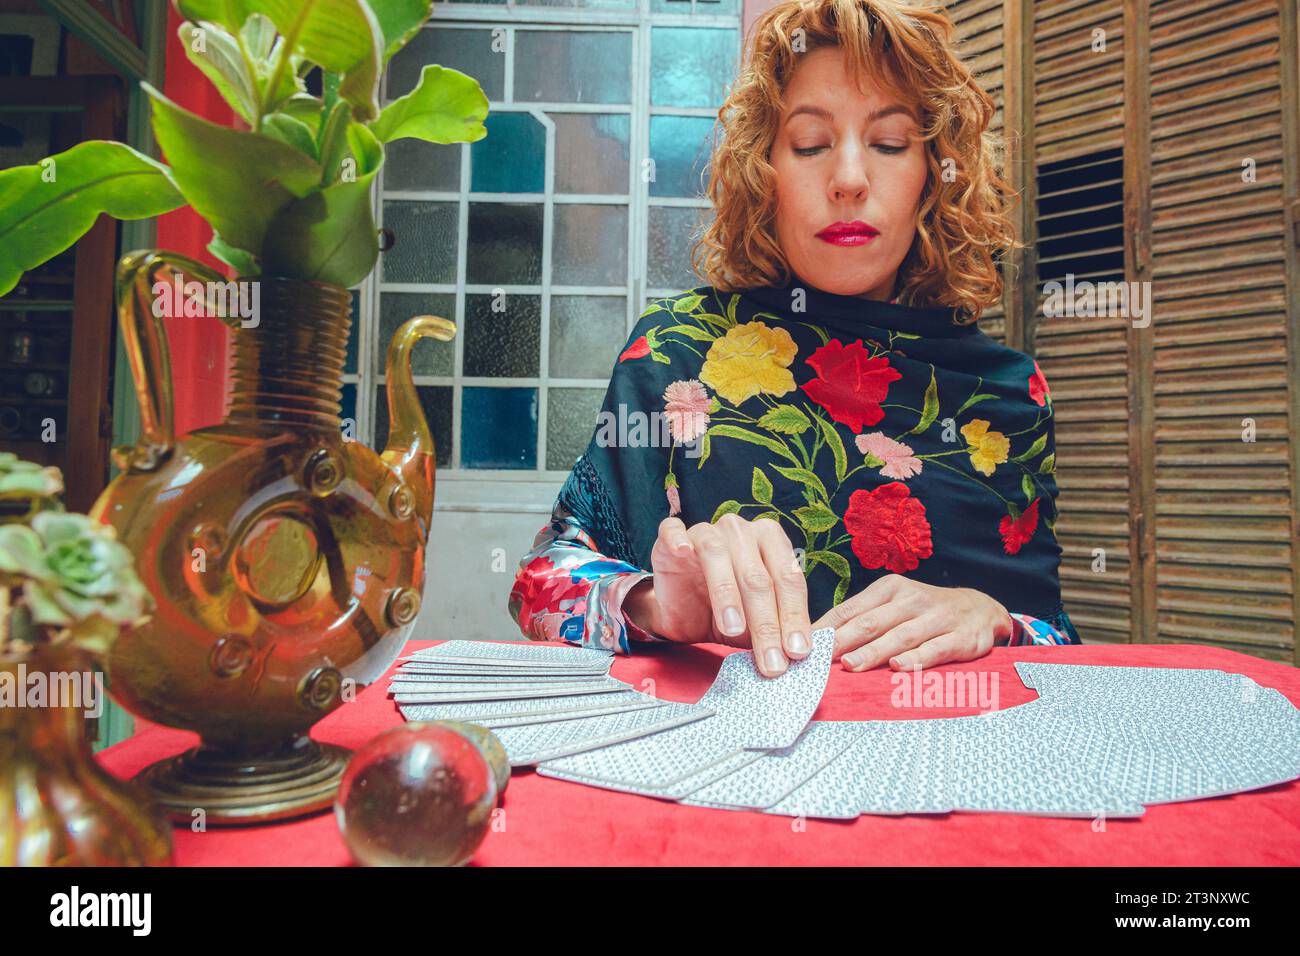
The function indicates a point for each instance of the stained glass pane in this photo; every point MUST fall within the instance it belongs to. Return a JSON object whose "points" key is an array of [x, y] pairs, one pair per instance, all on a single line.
{"points": [[504, 341], [415, 164], [424, 241], [586, 332], [498, 427], [591, 152], [672, 231], [511, 158], [570, 422], [563, 66], [691, 66], [429, 356], [505, 243], [680, 147], [589, 245], [469, 51], [436, 402]]}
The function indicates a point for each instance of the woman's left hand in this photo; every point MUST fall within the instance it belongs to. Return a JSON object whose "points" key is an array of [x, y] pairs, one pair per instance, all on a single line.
{"points": [[909, 624]]}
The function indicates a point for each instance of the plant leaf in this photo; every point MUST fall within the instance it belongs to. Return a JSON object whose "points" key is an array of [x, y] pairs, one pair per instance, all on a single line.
{"points": [[1027, 486], [1048, 465], [688, 303], [399, 20], [806, 477], [222, 63], [238, 181], [836, 446], [973, 400], [785, 420], [690, 331], [40, 218], [445, 107], [243, 262], [1039, 444], [816, 518], [334, 141], [836, 562], [761, 487], [930, 410], [729, 507], [290, 131], [734, 431]]}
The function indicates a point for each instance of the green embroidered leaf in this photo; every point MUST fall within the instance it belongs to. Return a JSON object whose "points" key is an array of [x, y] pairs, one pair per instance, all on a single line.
{"points": [[837, 447], [687, 303], [705, 448], [774, 515], [691, 331], [904, 335], [670, 481], [973, 400], [726, 508], [818, 331], [1034, 449], [661, 358], [712, 318], [714, 405], [734, 431], [1027, 486], [1048, 465], [731, 308], [872, 461], [836, 562], [929, 411], [841, 590], [809, 495], [786, 419], [761, 487], [816, 518], [806, 477], [1014, 510]]}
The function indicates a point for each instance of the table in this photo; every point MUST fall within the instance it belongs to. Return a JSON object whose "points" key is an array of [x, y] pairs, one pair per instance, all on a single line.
{"points": [[555, 823]]}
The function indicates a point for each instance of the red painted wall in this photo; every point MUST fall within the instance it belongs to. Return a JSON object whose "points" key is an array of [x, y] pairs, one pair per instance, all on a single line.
{"points": [[198, 346]]}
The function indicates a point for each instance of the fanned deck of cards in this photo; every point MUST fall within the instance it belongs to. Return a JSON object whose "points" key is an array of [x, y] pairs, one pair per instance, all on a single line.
{"points": [[1099, 740]]}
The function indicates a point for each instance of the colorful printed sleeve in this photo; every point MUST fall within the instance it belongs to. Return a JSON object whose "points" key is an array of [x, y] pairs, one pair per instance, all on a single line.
{"points": [[1032, 630], [567, 590]]}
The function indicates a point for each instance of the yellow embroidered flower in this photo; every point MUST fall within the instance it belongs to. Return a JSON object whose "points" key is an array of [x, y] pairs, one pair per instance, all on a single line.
{"points": [[749, 359], [987, 449]]}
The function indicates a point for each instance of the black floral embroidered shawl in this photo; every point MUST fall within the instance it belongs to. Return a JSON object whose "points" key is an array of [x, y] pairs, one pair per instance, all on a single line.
{"points": [[884, 438]]}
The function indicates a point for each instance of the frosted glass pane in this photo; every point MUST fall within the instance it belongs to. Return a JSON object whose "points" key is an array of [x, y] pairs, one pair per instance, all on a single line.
{"points": [[511, 158], [586, 333], [507, 343], [436, 402], [563, 66], [590, 245], [505, 243], [691, 66], [570, 422], [591, 153], [680, 147], [424, 242], [498, 427], [469, 51], [672, 231], [411, 164], [430, 356]]}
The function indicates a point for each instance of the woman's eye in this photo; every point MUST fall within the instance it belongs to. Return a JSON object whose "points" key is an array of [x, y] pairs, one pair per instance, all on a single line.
{"points": [[890, 149], [808, 150]]}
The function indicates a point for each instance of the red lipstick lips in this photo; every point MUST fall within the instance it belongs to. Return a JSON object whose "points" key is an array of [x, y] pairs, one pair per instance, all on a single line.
{"points": [[855, 233]]}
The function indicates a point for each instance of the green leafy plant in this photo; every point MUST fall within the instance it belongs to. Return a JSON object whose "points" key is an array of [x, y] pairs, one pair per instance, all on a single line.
{"points": [[64, 578], [287, 192]]}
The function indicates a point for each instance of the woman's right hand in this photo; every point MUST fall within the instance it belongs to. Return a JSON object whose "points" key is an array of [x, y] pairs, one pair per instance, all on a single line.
{"points": [[735, 582]]}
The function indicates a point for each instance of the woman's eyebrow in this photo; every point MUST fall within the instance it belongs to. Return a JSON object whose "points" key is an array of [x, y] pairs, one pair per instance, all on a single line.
{"points": [[873, 116]]}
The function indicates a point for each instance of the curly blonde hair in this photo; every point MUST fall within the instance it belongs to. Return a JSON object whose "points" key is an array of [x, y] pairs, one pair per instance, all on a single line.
{"points": [[962, 225]]}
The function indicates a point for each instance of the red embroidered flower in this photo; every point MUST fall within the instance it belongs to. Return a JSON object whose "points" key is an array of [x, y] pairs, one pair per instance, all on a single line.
{"points": [[888, 527], [1016, 532], [1038, 389], [638, 349], [850, 384]]}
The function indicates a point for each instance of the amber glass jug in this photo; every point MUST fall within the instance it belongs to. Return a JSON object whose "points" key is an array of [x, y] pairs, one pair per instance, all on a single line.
{"points": [[287, 561]]}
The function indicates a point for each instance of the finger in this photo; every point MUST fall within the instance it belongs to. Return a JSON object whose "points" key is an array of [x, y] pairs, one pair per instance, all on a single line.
{"points": [[791, 588], [903, 637], [757, 594], [673, 537], [720, 580], [873, 595], [938, 650], [874, 623]]}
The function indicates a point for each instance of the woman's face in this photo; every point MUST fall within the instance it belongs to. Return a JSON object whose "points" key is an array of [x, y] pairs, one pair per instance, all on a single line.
{"points": [[849, 177]]}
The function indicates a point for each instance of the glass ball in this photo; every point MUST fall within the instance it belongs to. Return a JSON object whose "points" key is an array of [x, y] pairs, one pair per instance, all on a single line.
{"points": [[490, 746], [418, 795]]}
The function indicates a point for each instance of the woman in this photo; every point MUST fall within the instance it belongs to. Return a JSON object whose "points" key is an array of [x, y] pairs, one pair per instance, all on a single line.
{"points": [[821, 436]]}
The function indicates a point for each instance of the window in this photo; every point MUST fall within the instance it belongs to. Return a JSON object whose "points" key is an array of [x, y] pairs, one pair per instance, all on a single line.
{"points": [[544, 240]]}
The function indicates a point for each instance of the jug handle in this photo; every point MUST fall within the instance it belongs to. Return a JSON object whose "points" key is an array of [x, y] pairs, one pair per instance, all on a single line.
{"points": [[410, 445], [145, 339]]}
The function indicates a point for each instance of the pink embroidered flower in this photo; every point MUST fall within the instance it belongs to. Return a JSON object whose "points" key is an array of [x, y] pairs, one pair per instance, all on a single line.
{"points": [[897, 458], [674, 501], [687, 409]]}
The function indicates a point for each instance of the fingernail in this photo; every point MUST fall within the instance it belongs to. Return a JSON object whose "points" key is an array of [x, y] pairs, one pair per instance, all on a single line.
{"points": [[731, 621], [775, 660], [853, 660], [798, 643]]}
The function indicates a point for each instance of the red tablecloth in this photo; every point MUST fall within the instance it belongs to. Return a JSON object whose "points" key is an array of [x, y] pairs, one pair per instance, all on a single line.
{"points": [[554, 823]]}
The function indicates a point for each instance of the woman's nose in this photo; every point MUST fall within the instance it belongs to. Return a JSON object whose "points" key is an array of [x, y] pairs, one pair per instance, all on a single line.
{"points": [[849, 178]]}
